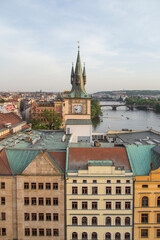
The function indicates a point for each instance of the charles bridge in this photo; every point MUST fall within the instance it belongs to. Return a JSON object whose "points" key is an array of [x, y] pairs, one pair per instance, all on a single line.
{"points": [[128, 106]]}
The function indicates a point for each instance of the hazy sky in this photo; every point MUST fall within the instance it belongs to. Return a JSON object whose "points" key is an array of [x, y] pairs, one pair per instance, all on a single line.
{"points": [[119, 42]]}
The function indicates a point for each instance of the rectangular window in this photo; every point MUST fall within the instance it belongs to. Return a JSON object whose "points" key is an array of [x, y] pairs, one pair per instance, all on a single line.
{"points": [[26, 185], [3, 231], [118, 181], [74, 181], [84, 205], [94, 205], [55, 186], [27, 232], [41, 232], [144, 218], [118, 205], [84, 181], [158, 217], [108, 181], [145, 186], [34, 232], [48, 216], [48, 186], [34, 216], [2, 185], [41, 216], [33, 201], [158, 186], [55, 216], [55, 232], [26, 201], [41, 201], [26, 217], [74, 190], [144, 233], [40, 186], [158, 233], [94, 190], [3, 216], [33, 186], [84, 190], [55, 201], [3, 201], [74, 205], [118, 190], [108, 190], [127, 190], [94, 181], [127, 181], [48, 201], [108, 205], [48, 232], [127, 205]]}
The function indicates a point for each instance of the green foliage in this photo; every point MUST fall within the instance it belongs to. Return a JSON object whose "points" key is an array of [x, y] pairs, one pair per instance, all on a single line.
{"points": [[53, 121], [2, 100], [95, 109], [152, 103]]}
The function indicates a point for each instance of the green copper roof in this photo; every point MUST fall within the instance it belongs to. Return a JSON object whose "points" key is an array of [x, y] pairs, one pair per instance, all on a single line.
{"points": [[140, 158], [78, 122], [100, 163], [20, 159]]}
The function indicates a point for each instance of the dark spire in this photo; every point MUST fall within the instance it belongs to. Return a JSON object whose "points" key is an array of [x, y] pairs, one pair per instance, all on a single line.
{"points": [[84, 74], [72, 74], [78, 70]]}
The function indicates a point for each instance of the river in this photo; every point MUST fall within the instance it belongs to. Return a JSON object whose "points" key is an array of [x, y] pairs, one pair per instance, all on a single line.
{"points": [[123, 118]]}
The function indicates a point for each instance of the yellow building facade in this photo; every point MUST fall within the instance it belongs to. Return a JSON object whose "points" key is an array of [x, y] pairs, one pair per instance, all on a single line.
{"points": [[99, 203], [147, 206]]}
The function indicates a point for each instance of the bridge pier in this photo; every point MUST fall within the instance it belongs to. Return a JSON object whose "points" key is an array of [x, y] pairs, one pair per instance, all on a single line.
{"points": [[114, 108]]}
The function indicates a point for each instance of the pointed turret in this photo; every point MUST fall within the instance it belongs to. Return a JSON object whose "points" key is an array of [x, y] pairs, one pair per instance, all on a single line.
{"points": [[84, 74], [72, 74], [78, 80]]}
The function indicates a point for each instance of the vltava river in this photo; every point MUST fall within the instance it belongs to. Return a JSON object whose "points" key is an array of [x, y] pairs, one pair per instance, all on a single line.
{"points": [[123, 118]]}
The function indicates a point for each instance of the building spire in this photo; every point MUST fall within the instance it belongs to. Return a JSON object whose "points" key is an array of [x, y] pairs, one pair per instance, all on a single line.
{"points": [[84, 74], [72, 74]]}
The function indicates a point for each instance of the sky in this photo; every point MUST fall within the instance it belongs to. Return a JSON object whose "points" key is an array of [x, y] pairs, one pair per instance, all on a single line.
{"points": [[119, 43]]}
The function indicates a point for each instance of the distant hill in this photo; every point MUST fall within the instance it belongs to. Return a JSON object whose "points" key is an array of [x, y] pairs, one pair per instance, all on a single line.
{"points": [[131, 92]]}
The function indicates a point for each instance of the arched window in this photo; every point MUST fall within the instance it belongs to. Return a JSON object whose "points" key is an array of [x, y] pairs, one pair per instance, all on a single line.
{"points": [[118, 221], [127, 236], [74, 221], [94, 221], [158, 202], [145, 202], [108, 221], [117, 236], [108, 236], [94, 236], [84, 221], [74, 236], [84, 236], [127, 221]]}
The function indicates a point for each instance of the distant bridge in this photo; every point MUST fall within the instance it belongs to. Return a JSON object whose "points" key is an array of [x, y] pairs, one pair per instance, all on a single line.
{"points": [[129, 106]]}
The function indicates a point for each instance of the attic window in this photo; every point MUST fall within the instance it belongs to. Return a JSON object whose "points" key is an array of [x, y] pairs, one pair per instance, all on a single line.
{"points": [[144, 186]]}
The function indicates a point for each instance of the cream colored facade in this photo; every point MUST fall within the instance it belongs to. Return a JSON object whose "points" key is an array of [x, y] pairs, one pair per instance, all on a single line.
{"points": [[147, 206], [34, 202], [88, 221]]}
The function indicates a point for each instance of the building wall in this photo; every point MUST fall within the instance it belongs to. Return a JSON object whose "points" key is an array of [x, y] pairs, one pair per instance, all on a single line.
{"points": [[97, 176], [79, 131], [7, 208], [147, 186]]}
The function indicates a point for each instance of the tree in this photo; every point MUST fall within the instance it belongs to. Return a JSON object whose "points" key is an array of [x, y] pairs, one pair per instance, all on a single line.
{"points": [[52, 119], [95, 109]]}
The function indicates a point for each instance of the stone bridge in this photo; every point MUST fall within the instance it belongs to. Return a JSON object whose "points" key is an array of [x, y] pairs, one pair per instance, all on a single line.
{"points": [[129, 106]]}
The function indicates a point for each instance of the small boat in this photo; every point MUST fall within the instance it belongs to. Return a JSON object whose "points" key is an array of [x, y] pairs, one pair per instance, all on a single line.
{"points": [[127, 117]]}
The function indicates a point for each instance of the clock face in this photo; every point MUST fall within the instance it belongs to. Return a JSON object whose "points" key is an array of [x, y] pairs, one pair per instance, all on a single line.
{"points": [[77, 108]]}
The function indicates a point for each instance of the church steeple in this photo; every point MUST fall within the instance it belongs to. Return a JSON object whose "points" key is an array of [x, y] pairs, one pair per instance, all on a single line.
{"points": [[78, 80], [72, 74], [84, 74]]}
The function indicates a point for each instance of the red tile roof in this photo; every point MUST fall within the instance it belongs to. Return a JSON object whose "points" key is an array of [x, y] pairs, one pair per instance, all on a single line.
{"points": [[78, 157], [59, 158], [4, 165], [9, 118]]}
